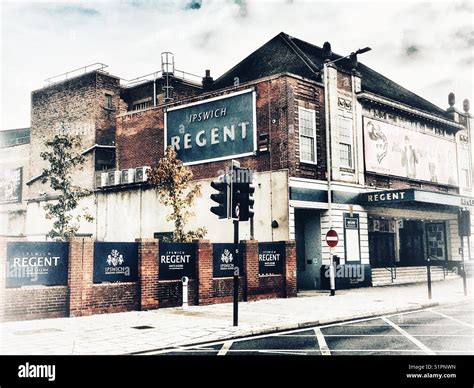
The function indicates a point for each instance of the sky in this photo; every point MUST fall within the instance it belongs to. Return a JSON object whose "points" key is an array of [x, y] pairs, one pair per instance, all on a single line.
{"points": [[426, 47]]}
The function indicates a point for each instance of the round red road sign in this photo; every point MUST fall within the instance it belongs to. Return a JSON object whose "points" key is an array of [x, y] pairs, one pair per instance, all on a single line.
{"points": [[332, 238]]}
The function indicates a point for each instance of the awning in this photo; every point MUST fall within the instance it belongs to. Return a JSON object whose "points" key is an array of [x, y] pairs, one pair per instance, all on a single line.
{"points": [[414, 196]]}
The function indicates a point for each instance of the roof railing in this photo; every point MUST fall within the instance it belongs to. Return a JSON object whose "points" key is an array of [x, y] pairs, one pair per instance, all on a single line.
{"points": [[76, 72], [179, 74]]}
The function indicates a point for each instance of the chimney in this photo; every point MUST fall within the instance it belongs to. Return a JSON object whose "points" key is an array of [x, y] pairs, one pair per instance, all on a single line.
{"points": [[327, 52], [207, 81]]}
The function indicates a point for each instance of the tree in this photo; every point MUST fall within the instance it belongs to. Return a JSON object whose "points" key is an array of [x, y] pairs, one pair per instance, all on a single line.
{"points": [[63, 159], [171, 179]]}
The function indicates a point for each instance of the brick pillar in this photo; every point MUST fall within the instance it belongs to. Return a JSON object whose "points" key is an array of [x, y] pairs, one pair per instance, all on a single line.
{"points": [[80, 275], [250, 267], [289, 270], [148, 270], [204, 271]]}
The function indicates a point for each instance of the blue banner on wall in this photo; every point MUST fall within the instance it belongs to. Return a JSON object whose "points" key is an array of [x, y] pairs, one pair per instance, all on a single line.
{"points": [[177, 260], [271, 257], [215, 129], [115, 262], [37, 263]]}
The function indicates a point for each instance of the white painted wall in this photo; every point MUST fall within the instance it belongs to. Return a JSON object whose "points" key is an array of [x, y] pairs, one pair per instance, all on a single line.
{"points": [[127, 215]]}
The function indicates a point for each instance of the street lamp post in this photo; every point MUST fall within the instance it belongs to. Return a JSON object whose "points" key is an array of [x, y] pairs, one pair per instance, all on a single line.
{"points": [[327, 102]]}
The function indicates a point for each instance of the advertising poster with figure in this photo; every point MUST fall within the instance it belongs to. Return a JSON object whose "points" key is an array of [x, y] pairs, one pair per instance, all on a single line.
{"points": [[408, 153]]}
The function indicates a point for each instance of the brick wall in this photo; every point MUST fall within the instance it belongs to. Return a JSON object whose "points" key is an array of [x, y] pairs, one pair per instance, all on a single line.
{"points": [[140, 135], [36, 303], [309, 96], [79, 105], [390, 182], [82, 297]]}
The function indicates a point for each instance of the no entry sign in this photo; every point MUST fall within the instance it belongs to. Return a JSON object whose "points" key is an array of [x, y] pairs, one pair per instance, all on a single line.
{"points": [[332, 238]]}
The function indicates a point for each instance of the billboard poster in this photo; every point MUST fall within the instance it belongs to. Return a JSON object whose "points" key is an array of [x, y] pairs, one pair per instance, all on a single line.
{"points": [[115, 262], [177, 260], [10, 185], [31, 263], [218, 128], [408, 153], [271, 257]]}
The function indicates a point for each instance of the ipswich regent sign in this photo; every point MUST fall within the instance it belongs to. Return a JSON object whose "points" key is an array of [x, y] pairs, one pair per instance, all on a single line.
{"points": [[37, 263], [224, 259], [271, 257], [115, 262], [219, 128], [177, 260]]}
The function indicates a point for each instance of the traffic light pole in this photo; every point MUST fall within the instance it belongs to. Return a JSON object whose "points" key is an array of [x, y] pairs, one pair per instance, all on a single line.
{"points": [[236, 272]]}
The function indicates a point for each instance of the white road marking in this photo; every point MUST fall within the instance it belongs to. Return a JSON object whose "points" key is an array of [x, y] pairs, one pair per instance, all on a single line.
{"points": [[323, 346], [277, 351], [454, 319], [225, 348], [409, 337]]}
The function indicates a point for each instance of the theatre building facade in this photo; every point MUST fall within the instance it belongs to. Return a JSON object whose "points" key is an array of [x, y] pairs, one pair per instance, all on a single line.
{"points": [[333, 145]]}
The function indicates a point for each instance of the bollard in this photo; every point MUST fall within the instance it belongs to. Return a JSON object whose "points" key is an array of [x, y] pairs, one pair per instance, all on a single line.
{"points": [[332, 276], [428, 275], [185, 281]]}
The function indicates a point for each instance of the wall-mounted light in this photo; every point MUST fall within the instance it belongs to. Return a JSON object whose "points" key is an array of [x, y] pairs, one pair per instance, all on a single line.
{"points": [[275, 224]]}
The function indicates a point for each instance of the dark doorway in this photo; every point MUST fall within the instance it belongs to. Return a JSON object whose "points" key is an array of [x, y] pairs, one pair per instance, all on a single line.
{"points": [[411, 244], [381, 249]]}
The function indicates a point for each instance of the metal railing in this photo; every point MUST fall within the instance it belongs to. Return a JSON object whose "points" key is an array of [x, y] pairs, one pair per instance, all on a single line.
{"points": [[444, 264], [178, 74], [76, 72]]}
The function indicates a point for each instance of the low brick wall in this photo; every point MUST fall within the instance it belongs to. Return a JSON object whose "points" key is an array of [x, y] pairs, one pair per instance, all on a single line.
{"points": [[170, 293], [82, 297], [36, 302]]}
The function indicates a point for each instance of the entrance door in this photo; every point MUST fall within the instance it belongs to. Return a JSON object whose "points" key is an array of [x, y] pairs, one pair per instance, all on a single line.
{"points": [[381, 249], [411, 244], [308, 249]]}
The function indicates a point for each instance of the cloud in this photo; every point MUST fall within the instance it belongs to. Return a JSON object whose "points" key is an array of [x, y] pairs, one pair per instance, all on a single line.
{"points": [[414, 43]]}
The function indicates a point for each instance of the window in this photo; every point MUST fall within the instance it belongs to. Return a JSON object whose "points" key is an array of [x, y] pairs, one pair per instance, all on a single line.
{"points": [[307, 125], [141, 105], [108, 101], [345, 141]]}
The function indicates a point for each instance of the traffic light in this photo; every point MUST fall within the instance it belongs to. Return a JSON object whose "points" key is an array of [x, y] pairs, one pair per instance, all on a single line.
{"points": [[222, 197], [242, 194]]}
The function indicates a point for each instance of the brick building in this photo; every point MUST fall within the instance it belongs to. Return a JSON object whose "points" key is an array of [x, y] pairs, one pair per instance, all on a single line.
{"points": [[14, 171], [400, 167]]}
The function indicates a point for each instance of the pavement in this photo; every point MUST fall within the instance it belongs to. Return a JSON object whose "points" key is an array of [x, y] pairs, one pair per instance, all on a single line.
{"points": [[141, 332]]}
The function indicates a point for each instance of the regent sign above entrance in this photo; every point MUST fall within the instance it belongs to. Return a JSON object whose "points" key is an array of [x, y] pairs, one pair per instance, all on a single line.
{"points": [[219, 128], [388, 196]]}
